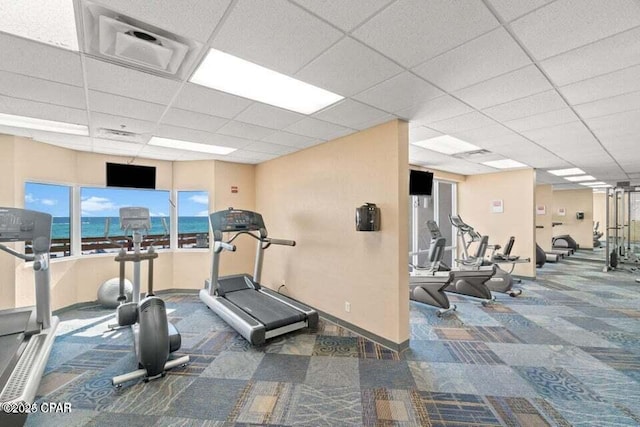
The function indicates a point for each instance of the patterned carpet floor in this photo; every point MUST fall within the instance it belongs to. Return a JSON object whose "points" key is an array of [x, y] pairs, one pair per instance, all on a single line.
{"points": [[565, 353]]}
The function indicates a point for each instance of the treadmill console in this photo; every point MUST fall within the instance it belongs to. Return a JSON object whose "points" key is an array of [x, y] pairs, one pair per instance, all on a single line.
{"points": [[135, 218], [434, 229], [232, 220], [19, 225]]}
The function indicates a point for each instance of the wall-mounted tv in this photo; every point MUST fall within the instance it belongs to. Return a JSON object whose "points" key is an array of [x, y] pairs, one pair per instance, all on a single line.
{"points": [[420, 183], [132, 176]]}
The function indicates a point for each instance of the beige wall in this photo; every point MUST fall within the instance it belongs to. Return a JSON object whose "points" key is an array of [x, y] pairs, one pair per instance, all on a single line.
{"points": [[311, 196], [76, 279], [573, 201], [441, 175], [516, 190], [243, 177], [600, 210], [544, 197], [7, 263]]}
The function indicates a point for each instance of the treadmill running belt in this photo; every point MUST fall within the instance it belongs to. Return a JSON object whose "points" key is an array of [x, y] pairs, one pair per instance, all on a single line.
{"points": [[270, 312]]}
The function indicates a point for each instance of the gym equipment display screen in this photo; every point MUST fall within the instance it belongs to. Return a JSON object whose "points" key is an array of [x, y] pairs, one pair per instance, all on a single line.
{"points": [[420, 183]]}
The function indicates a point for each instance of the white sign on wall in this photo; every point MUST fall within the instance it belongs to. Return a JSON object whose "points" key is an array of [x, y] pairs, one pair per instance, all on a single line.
{"points": [[497, 206], [541, 210], [562, 211]]}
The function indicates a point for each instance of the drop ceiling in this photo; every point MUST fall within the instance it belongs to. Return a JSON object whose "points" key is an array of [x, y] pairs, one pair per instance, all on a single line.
{"points": [[552, 84]]}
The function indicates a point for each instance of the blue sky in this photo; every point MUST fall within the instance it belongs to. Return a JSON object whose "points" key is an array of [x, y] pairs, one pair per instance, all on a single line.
{"points": [[98, 202]]}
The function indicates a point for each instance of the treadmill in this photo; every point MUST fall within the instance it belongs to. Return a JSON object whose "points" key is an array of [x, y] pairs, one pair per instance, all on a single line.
{"points": [[26, 334], [255, 312]]}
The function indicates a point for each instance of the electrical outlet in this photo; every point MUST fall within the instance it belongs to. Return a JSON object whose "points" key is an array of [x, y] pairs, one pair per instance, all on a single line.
{"points": [[347, 306]]}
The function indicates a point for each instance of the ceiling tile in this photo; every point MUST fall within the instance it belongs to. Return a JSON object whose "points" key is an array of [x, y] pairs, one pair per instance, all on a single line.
{"points": [[375, 122], [615, 104], [268, 116], [605, 86], [268, 147], [487, 56], [427, 157], [604, 56], [351, 114], [412, 31], [511, 9], [194, 19], [34, 89], [72, 142], [40, 110], [571, 136], [487, 135], [551, 118], [27, 57], [400, 92], [616, 124], [440, 108], [528, 106], [568, 24], [194, 97], [251, 157], [275, 34], [107, 121], [290, 139], [344, 15], [184, 134], [514, 85], [244, 130], [127, 107], [110, 78], [317, 129], [348, 67], [193, 120], [420, 133], [461, 123], [107, 146]]}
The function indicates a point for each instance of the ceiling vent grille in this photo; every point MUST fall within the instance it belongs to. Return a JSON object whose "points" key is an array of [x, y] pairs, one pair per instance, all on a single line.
{"points": [[128, 41], [118, 134], [473, 154]]}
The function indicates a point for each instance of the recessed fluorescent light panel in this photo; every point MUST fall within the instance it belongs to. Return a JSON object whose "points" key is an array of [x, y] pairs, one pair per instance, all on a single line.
{"points": [[567, 172], [447, 145], [231, 74], [589, 184], [40, 124], [190, 146], [505, 164], [602, 186], [52, 22], [579, 178]]}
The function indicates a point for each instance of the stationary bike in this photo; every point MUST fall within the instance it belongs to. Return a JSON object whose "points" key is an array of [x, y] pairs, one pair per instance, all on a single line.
{"points": [[154, 337]]}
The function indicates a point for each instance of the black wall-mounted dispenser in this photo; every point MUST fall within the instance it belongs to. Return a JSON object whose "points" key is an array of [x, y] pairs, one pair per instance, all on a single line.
{"points": [[368, 217], [579, 215]]}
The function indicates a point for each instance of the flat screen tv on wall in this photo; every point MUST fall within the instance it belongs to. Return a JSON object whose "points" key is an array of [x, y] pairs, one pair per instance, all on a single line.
{"points": [[131, 176], [420, 183]]}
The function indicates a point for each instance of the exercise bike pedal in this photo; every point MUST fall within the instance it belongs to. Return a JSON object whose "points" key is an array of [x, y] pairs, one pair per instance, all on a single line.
{"points": [[515, 293]]}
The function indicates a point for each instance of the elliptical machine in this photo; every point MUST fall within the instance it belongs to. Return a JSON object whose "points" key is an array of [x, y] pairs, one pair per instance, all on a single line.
{"points": [[154, 338]]}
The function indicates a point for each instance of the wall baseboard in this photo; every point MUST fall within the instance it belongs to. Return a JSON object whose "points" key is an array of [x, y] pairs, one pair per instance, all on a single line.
{"points": [[366, 334], [353, 328]]}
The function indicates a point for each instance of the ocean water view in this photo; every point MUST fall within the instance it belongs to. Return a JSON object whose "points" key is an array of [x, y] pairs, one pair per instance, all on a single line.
{"points": [[95, 226]]}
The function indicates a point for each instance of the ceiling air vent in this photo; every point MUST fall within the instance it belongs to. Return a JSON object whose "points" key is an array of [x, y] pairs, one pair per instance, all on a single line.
{"points": [[472, 154], [118, 134], [128, 41]]}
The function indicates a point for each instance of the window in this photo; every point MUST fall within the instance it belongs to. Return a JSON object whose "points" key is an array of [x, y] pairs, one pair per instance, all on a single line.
{"points": [[436, 207], [101, 206], [54, 200], [193, 219]]}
